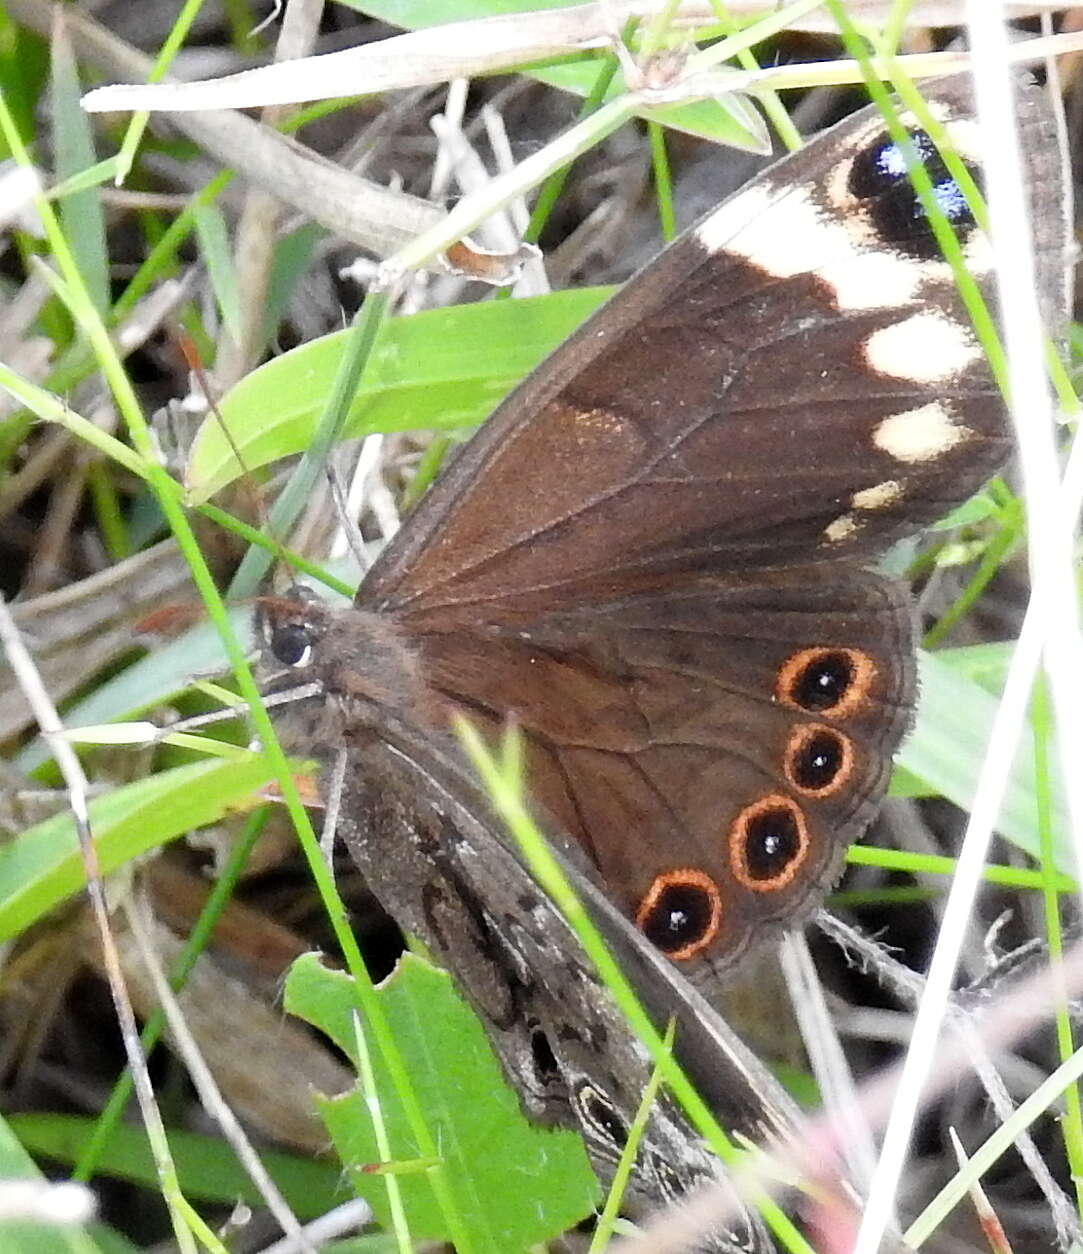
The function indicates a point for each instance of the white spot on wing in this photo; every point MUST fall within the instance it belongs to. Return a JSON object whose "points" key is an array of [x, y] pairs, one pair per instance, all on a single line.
{"points": [[870, 280], [783, 235], [965, 136], [883, 494], [822, 229], [924, 348], [841, 529], [919, 435], [786, 233], [732, 217]]}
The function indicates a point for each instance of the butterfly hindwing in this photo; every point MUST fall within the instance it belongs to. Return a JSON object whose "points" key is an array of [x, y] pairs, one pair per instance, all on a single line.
{"points": [[713, 748]]}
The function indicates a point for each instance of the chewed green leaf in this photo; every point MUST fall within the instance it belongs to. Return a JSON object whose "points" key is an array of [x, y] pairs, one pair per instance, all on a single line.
{"points": [[444, 369], [516, 1184]]}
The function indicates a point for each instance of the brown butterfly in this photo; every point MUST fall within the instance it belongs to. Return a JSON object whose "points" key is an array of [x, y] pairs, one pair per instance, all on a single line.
{"points": [[653, 558]]}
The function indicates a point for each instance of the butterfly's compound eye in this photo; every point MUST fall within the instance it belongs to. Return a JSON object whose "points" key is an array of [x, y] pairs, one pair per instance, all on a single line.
{"points": [[292, 644]]}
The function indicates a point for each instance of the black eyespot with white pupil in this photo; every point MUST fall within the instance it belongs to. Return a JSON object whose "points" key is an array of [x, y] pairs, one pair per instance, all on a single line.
{"points": [[681, 912], [772, 842], [292, 644], [879, 177], [817, 761], [768, 843], [823, 681]]}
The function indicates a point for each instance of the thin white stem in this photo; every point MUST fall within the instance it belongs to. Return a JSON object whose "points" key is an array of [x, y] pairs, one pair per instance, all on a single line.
{"points": [[209, 1093], [52, 729], [345, 1218], [829, 1065]]}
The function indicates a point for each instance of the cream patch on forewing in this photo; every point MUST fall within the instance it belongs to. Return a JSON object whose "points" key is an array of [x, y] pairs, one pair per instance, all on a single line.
{"points": [[870, 280], [841, 529], [965, 137], [924, 348], [918, 435], [788, 233], [883, 494], [734, 216], [589, 423], [978, 254]]}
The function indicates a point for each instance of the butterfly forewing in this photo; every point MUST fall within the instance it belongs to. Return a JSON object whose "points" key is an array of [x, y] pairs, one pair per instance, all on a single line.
{"points": [[794, 379]]}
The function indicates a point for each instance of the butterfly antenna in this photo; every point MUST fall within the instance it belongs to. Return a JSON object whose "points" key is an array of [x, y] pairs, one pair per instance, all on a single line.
{"points": [[194, 361], [144, 733], [350, 530]]}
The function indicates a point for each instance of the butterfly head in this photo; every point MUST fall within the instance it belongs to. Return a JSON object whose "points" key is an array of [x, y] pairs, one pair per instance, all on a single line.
{"points": [[290, 628], [356, 661]]}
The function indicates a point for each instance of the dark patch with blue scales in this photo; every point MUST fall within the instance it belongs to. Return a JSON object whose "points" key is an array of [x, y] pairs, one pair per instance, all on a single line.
{"points": [[879, 176]]}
